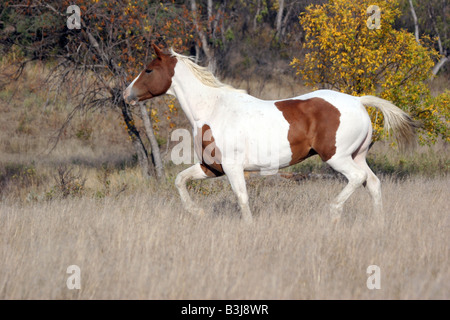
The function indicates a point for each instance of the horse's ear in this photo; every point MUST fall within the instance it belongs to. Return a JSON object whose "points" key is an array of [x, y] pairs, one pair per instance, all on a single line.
{"points": [[158, 51]]}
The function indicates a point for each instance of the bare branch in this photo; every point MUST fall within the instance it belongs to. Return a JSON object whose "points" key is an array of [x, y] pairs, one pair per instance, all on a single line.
{"points": [[439, 65]]}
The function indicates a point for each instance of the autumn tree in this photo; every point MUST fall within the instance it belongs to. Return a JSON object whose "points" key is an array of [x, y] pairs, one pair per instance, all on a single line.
{"points": [[349, 51], [95, 61]]}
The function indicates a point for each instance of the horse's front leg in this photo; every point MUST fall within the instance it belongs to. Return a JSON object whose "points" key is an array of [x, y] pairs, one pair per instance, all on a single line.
{"points": [[196, 172], [236, 177]]}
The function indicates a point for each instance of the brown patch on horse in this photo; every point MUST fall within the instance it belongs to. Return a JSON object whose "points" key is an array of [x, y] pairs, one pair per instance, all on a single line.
{"points": [[312, 127], [211, 172], [208, 153]]}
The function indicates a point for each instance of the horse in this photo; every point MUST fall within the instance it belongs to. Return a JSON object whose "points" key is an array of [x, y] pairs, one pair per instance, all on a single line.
{"points": [[231, 128]]}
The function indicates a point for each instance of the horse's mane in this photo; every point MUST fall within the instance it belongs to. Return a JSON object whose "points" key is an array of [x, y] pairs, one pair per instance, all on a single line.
{"points": [[202, 73]]}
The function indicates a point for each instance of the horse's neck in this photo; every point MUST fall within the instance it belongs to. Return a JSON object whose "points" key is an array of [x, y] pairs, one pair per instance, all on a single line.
{"points": [[197, 100]]}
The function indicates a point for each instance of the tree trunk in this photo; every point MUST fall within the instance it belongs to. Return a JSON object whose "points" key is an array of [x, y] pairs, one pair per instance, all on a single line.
{"points": [[209, 9], [156, 154], [279, 17], [255, 19], [439, 65], [135, 137], [203, 39], [416, 23], [444, 59], [285, 21]]}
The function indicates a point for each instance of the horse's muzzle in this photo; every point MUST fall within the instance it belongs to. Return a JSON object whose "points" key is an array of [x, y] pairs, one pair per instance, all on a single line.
{"points": [[129, 96]]}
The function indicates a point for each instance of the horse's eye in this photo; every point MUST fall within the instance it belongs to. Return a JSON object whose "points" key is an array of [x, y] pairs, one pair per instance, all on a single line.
{"points": [[148, 71]]}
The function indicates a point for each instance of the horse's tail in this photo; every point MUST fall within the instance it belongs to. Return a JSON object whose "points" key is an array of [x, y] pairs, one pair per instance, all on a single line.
{"points": [[402, 125]]}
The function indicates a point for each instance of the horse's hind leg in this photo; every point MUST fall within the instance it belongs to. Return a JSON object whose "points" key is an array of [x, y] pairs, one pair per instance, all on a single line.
{"points": [[373, 183], [355, 175]]}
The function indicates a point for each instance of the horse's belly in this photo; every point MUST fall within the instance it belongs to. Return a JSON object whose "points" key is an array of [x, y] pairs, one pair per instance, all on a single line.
{"points": [[264, 146], [272, 153]]}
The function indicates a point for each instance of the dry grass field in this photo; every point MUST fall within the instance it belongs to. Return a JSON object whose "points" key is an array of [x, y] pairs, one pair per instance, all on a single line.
{"points": [[132, 239], [143, 245]]}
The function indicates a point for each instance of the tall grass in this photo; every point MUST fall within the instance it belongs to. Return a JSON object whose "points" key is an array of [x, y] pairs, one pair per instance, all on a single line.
{"points": [[142, 245]]}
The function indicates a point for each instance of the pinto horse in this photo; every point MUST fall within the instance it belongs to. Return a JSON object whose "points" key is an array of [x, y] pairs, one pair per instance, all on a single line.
{"points": [[236, 132]]}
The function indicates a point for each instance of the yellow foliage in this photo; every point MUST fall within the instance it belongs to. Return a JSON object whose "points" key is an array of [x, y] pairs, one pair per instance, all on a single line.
{"points": [[345, 55]]}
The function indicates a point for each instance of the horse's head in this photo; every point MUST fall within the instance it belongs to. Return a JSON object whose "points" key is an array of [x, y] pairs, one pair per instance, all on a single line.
{"points": [[154, 80]]}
